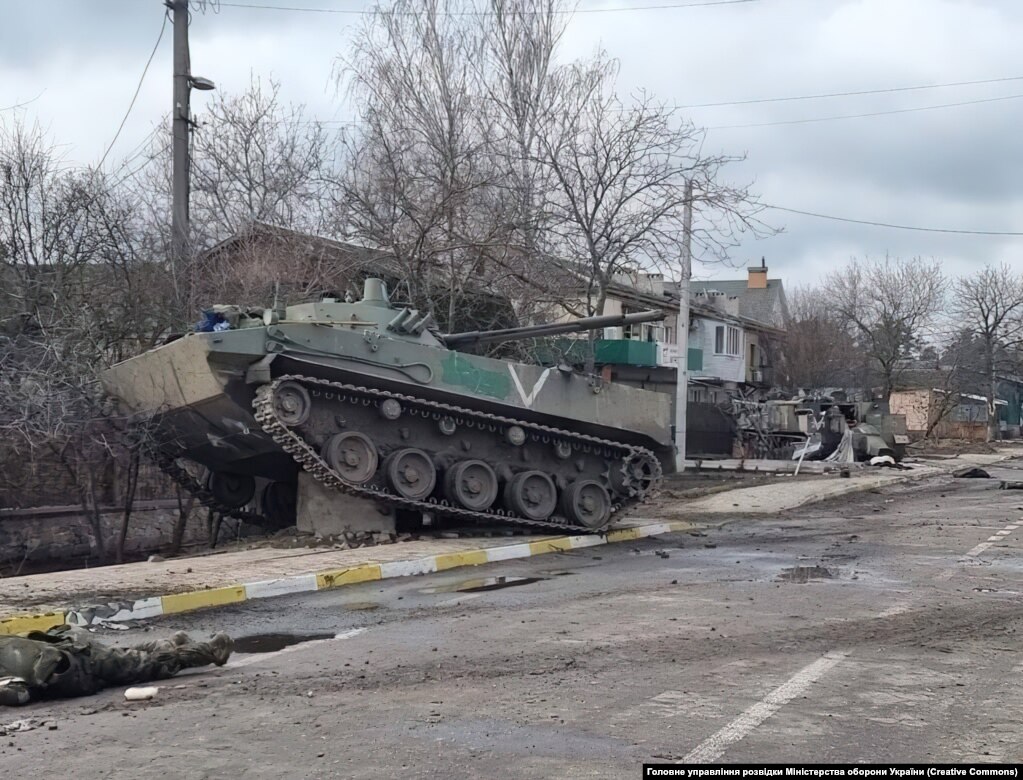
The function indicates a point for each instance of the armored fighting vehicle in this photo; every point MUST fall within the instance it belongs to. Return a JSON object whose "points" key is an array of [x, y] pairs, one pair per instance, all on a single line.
{"points": [[372, 400]]}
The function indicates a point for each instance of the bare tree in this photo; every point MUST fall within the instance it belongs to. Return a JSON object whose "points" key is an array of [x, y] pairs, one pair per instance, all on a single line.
{"points": [[255, 159], [521, 82], [818, 351], [480, 161], [887, 305], [71, 264], [416, 176], [989, 304], [620, 171], [946, 397]]}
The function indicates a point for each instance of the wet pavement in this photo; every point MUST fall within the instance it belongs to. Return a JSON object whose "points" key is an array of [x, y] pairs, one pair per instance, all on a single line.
{"points": [[882, 627]]}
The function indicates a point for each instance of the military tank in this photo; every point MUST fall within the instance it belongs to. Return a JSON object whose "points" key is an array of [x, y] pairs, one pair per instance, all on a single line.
{"points": [[372, 400]]}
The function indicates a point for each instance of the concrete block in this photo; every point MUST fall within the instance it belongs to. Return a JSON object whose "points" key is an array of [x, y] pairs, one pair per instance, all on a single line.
{"points": [[327, 512]]}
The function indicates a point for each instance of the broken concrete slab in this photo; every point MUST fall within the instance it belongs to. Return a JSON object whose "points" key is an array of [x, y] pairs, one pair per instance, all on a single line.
{"points": [[327, 512]]}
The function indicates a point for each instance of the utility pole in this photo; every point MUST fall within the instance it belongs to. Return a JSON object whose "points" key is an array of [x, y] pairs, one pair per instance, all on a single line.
{"points": [[682, 332], [181, 127], [181, 117]]}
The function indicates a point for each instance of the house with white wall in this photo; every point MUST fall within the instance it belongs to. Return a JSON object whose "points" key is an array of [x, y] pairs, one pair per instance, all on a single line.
{"points": [[729, 350]]}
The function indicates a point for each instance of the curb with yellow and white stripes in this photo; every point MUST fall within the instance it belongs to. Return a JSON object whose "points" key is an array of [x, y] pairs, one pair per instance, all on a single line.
{"points": [[177, 603]]}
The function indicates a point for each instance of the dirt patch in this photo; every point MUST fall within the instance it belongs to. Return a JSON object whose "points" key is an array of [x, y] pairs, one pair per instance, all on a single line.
{"points": [[951, 447]]}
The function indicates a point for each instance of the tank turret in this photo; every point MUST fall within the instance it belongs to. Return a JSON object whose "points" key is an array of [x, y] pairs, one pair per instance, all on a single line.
{"points": [[371, 400]]}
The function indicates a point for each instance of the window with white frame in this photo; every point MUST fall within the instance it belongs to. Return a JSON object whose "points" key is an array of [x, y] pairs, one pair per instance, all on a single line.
{"points": [[727, 340]]}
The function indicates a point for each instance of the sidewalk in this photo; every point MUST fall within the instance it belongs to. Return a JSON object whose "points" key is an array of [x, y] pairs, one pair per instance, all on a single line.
{"points": [[784, 495], [145, 590]]}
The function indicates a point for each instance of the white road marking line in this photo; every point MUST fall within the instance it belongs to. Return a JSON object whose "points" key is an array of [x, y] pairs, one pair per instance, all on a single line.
{"points": [[711, 748], [459, 600], [670, 703], [895, 609], [256, 658], [978, 549]]}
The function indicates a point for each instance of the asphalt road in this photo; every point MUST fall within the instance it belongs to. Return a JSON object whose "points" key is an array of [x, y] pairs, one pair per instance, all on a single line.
{"points": [[881, 627]]}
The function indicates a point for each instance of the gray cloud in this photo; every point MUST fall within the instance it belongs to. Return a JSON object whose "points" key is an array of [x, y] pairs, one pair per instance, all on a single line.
{"points": [[954, 167]]}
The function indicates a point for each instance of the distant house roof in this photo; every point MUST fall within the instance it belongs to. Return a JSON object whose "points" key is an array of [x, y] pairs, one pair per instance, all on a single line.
{"points": [[766, 305], [307, 244], [670, 300]]}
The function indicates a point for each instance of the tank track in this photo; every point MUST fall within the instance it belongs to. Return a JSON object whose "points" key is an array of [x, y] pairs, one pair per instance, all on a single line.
{"points": [[169, 466], [310, 460]]}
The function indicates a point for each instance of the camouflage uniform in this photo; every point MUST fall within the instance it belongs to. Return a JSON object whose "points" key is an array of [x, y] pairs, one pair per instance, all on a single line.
{"points": [[66, 661]]}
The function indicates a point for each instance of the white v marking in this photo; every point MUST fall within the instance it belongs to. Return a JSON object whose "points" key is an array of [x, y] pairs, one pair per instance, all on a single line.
{"points": [[527, 400]]}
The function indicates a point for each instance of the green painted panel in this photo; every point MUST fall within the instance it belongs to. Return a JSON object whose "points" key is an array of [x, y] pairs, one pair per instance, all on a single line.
{"points": [[626, 352], [461, 370], [694, 362]]}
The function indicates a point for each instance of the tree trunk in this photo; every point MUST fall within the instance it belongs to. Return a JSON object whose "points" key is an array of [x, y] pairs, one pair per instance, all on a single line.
{"points": [[591, 352], [91, 507], [184, 511], [130, 486]]}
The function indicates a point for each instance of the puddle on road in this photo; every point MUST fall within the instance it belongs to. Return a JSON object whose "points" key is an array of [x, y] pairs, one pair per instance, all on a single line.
{"points": [[482, 584], [271, 643], [803, 574]]}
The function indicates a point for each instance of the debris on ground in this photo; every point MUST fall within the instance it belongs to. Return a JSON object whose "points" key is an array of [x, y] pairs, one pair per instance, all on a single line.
{"points": [[141, 694], [25, 724], [1010, 485], [346, 540], [951, 447], [971, 472]]}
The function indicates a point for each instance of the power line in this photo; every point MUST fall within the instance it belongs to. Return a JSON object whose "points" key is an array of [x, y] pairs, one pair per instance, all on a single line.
{"points": [[794, 121], [894, 226], [365, 12], [849, 94], [870, 114], [138, 89]]}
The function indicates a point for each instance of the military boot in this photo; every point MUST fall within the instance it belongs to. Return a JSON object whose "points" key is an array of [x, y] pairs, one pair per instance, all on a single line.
{"points": [[13, 691], [222, 645]]}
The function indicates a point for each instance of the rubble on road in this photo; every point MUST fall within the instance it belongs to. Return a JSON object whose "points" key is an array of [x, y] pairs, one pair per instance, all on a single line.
{"points": [[292, 538], [25, 724]]}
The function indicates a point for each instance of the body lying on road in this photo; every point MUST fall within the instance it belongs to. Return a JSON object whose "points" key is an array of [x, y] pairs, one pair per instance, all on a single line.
{"points": [[67, 661]]}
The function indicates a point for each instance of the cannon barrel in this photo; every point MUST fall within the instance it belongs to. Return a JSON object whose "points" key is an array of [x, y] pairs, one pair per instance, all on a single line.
{"points": [[551, 329]]}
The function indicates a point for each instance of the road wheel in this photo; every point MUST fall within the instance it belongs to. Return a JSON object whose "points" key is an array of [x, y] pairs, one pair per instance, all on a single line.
{"points": [[352, 455], [531, 494], [231, 490], [411, 473], [292, 403], [471, 484], [586, 503]]}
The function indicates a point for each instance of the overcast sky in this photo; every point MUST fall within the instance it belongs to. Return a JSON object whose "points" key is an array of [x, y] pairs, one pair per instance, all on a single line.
{"points": [[956, 167]]}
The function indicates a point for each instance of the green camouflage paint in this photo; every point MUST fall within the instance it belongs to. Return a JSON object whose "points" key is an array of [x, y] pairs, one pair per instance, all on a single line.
{"points": [[460, 370]]}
